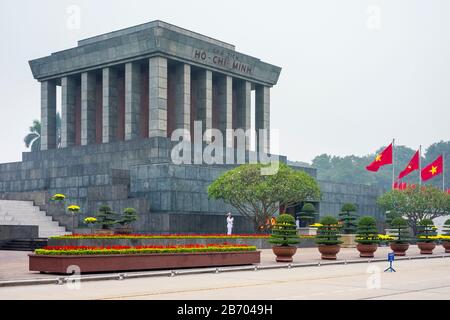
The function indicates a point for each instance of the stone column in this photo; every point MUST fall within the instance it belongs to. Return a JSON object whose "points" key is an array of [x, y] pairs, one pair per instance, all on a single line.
{"points": [[262, 117], [204, 101], [132, 100], [110, 105], [244, 108], [48, 115], [157, 97], [88, 84], [68, 94], [225, 106], [183, 97]]}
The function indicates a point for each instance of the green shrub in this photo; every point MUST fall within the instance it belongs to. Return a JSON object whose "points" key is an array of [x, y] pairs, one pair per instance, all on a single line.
{"points": [[348, 218], [367, 232], [328, 233], [308, 213], [446, 230], [401, 233], [106, 217], [427, 231], [284, 232], [129, 216]]}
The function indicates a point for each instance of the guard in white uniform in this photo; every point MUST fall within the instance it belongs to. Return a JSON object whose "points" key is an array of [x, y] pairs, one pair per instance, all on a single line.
{"points": [[230, 221]]}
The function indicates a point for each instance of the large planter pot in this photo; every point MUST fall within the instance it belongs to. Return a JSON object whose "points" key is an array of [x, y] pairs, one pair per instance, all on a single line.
{"points": [[123, 230], [284, 253], [367, 250], [329, 252], [399, 248], [446, 245], [348, 240], [104, 232], [426, 247], [62, 264]]}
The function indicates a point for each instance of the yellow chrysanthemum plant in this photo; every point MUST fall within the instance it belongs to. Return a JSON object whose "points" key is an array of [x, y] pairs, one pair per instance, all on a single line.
{"points": [[58, 197], [90, 221], [73, 209]]}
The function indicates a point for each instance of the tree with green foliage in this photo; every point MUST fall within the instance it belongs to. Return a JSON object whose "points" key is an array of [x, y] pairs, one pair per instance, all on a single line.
{"points": [[33, 139], [284, 232], [427, 231], [400, 231], [416, 204], [308, 213], [328, 233], [129, 216], [106, 217], [348, 218], [367, 232], [258, 197]]}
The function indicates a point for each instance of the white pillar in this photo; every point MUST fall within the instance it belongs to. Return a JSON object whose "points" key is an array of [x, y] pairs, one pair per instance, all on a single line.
{"points": [[157, 97]]}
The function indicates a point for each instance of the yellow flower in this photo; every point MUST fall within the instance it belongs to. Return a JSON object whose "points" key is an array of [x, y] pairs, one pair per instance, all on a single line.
{"points": [[58, 196], [90, 220], [73, 208], [316, 225]]}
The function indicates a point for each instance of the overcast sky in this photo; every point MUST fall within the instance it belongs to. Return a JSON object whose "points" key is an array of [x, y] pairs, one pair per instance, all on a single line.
{"points": [[356, 73]]}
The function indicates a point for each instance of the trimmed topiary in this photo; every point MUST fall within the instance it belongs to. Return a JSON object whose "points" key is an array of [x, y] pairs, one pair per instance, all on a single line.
{"points": [[308, 213], [129, 216], [427, 231], [367, 232], [446, 230], [328, 233], [284, 232], [400, 231], [105, 217], [348, 218]]}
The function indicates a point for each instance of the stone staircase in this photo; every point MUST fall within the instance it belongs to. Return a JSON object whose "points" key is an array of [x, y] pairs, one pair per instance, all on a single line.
{"points": [[25, 213]]}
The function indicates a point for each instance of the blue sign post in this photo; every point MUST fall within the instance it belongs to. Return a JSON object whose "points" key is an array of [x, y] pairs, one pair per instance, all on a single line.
{"points": [[391, 258]]}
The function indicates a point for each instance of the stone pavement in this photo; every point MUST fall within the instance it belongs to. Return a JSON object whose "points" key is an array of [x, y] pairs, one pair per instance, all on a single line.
{"points": [[14, 264]]}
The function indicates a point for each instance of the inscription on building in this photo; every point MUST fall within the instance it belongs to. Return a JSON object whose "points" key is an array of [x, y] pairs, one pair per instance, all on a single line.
{"points": [[223, 60]]}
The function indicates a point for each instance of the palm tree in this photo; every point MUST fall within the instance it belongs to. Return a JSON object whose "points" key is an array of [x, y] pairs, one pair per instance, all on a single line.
{"points": [[33, 139]]}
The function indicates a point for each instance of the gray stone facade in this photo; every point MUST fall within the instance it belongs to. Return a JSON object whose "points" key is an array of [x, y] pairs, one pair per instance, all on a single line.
{"points": [[122, 95]]}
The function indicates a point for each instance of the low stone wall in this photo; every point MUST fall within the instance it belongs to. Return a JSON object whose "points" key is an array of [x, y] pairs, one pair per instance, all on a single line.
{"points": [[18, 232], [259, 243]]}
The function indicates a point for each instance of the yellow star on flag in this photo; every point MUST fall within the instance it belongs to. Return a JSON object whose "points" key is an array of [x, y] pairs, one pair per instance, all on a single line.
{"points": [[433, 170], [409, 167], [378, 158]]}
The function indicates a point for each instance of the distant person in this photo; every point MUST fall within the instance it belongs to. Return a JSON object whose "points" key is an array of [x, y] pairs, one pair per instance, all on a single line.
{"points": [[297, 223], [230, 221]]}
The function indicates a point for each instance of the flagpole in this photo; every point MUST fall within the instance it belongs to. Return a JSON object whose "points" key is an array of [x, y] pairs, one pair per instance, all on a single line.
{"points": [[393, 163], [443, 171], [420, 165]]}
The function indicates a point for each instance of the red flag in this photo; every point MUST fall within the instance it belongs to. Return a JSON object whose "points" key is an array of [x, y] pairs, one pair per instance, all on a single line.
{"points": [[396, 185], [403, 186], [412, 166], [433, 169], [381, 159]]}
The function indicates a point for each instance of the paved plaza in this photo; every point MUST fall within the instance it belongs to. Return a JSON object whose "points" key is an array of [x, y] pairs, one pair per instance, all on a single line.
{"points": [[414, 279]]}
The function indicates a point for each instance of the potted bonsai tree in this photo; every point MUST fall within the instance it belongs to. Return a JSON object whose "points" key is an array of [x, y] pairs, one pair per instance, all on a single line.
{"points": [[105, 218], [446, 236], [347, 219], [426, 237], [400, 233], [307, 216], [284, 238], [129, 216], [367, 237], [328, 238]]}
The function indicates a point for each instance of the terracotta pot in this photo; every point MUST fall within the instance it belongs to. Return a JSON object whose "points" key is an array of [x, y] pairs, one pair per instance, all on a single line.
{"points": [[399, 248], [446, 245], [426, 247], [123, 230], [367, 250], [284, 253], [329, 252], [104, 232]]}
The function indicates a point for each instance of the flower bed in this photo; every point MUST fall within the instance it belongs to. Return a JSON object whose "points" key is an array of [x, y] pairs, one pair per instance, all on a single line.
{"points": [[102, 240], [86, 250], [125, 258]]}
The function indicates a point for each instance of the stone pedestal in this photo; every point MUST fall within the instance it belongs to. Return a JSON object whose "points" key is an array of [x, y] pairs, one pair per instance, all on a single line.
{"points": [[348, 241], [308, 231]]}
